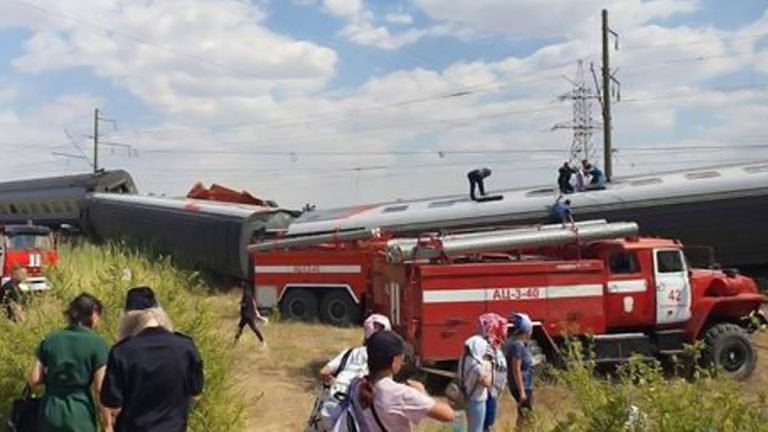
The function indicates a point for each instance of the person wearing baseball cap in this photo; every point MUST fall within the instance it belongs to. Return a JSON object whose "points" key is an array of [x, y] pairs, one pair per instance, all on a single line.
{"points": [[520, 370], [153, 374], [340, 371]]}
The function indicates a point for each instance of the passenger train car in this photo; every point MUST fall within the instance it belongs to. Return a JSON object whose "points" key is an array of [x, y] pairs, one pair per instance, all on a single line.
{"points": [[56, 201], [721, 207], [198, 234]]}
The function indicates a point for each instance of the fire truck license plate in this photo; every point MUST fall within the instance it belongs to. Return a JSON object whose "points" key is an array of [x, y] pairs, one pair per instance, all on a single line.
{"points": [[516, 293]]}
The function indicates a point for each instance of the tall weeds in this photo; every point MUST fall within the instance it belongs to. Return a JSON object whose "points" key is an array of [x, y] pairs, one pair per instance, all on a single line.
{"points": [[108, 272]]}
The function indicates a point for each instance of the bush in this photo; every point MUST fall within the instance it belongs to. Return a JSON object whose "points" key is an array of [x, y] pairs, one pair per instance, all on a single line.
{"points": [[108, 272], [639, 396]]}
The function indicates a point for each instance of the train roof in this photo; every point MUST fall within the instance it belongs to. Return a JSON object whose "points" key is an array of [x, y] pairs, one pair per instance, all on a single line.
{"points": [[677, 187], [97, 182]]}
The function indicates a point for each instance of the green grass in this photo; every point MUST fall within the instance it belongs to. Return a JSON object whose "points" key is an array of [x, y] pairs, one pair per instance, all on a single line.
{"points": [[108, 272]]}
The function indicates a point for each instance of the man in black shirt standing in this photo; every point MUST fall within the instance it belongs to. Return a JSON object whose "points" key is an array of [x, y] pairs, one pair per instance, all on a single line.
{"points": [[153, 374]]}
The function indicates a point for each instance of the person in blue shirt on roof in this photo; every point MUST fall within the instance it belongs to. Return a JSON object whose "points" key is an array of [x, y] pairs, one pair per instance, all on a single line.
{"points": [[596, 176], [561, 212]]}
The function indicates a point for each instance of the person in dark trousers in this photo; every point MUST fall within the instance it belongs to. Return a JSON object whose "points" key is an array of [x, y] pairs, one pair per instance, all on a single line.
{"points": [[153, 374], [564, 175], [520, 371], [476, 181], [71, 363], [249, 313], [561, 212], [596, 176]]}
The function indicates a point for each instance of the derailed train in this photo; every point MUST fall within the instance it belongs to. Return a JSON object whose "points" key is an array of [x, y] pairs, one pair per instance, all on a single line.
{"points": [[721, 207], [105, 206]]}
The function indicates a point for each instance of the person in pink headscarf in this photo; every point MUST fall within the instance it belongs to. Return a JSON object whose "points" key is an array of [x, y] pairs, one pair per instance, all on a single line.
{"points": [[338, 373], [493, 328]]}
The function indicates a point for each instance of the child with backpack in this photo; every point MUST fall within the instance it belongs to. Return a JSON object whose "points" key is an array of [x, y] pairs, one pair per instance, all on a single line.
{"points": [[338, 373], [378, 403]]}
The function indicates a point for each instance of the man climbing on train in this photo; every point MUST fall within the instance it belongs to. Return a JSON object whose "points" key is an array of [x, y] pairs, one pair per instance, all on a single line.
{"points": [[476, 180]]}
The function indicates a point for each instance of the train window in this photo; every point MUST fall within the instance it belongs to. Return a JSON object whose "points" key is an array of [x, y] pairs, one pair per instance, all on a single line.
{"points": [[441, 204], [68, 206], [46, 207], [702, 175], [395, 208], [624, 263], [23, 209], [756, 169], [14, 210], [644, 182], [56, 207]]}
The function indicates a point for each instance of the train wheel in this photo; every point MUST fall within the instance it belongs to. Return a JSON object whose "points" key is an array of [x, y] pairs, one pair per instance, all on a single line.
{"points": [[299, 304], [338, 309]]}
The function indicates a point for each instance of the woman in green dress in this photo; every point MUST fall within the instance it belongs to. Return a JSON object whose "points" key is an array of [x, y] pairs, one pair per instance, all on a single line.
{"points": [[71, 363]]}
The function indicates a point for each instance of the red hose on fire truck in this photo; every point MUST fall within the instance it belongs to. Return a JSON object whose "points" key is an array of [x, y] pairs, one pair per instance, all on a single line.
{"points": [[632, 295]]}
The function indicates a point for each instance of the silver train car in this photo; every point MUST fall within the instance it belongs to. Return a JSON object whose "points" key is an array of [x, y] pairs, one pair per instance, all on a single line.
{"points": [[198, 234], [56, 201], [720, 207]]}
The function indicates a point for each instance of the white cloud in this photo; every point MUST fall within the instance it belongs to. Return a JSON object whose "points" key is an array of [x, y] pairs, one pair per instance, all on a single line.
{"points": [[343, 8], [398, 18]]}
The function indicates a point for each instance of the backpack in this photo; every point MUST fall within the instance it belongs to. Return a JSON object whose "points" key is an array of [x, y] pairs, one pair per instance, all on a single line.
{"points": [[345, 419], [326, 403], [456, 391]]}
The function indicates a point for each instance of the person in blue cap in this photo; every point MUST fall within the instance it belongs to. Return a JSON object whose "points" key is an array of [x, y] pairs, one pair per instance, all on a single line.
{"points": [[520, 367]]}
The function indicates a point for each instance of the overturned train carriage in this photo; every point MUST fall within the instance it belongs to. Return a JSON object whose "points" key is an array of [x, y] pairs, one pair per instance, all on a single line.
{"points": [[197, 234], [55, 201]]}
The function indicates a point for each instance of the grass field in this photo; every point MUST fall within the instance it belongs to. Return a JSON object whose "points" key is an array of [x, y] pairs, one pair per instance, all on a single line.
{"points": [[254, 389]]}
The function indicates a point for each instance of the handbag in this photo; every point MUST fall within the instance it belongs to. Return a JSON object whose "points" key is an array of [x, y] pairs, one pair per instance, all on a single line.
{"points": [[24, 411]]}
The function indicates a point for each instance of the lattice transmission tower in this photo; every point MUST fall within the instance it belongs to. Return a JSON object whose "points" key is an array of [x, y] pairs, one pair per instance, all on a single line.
{"points": [[583, 125]]}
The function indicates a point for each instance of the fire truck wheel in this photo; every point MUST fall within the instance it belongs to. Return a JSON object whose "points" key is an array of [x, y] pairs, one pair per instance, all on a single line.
{"points": [[338, 309], [299, 304], [728, 347]]}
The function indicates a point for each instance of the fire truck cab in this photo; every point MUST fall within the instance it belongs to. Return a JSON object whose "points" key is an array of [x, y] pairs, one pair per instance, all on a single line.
{"points": [[634, 296], [30, 247]]}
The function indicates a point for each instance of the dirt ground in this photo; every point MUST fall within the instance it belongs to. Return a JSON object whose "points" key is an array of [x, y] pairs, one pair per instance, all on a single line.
{"points": [[280, 380]]}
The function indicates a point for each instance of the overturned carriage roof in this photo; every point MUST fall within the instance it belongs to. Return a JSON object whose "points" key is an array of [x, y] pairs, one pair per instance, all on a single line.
{"points": [[199, 234]]}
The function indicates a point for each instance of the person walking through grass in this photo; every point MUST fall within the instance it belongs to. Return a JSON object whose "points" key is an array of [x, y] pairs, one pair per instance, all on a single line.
{"points": [[71, 363], [11, 296], [249, 314], [379, 403]]}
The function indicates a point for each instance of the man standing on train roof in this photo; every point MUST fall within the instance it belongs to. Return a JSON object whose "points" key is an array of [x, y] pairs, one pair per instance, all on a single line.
{"points": [[596, 176], [476, 180], [564, 175]]}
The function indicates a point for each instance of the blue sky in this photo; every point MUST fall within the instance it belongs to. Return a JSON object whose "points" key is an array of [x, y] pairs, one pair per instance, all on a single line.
{"points": [[343, 101]]}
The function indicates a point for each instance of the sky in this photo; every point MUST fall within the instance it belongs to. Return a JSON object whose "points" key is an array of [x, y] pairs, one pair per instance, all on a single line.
{"points": [[339, 102]]}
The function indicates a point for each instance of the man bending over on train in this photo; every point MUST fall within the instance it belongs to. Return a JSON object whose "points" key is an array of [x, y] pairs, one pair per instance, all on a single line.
{"points": [[561, 212], [476, 178]]}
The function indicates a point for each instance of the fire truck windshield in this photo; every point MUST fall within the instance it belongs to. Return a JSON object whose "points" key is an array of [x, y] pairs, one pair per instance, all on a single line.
{"points": [[29, 241]]}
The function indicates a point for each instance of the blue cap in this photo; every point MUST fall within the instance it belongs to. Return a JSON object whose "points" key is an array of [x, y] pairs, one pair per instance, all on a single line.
{"points": [[522, 322]]}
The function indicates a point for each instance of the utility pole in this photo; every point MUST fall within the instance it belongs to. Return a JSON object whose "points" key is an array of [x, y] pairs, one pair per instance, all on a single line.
{"points": [[96, 140], [606, 99]]}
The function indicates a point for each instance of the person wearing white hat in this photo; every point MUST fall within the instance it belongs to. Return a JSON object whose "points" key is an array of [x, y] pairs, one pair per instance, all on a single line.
{"points": [[520, 361], [338, 373]]}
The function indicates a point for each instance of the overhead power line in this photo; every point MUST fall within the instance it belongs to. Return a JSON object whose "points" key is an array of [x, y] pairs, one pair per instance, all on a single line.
{"points": [[697, 41]]}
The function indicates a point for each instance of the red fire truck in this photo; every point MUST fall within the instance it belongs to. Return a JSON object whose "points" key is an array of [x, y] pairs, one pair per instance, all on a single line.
{"points": [[28, 246], [633, 296]]}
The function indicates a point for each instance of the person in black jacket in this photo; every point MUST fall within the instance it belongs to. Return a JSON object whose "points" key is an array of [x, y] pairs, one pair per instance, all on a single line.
{"points": [[153, 373], [564, 175], [476, 181], [249, 314]]}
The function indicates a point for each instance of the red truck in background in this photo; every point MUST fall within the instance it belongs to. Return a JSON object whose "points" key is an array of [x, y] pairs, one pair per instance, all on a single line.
{"points": [[30, 247], [631, 295]]}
